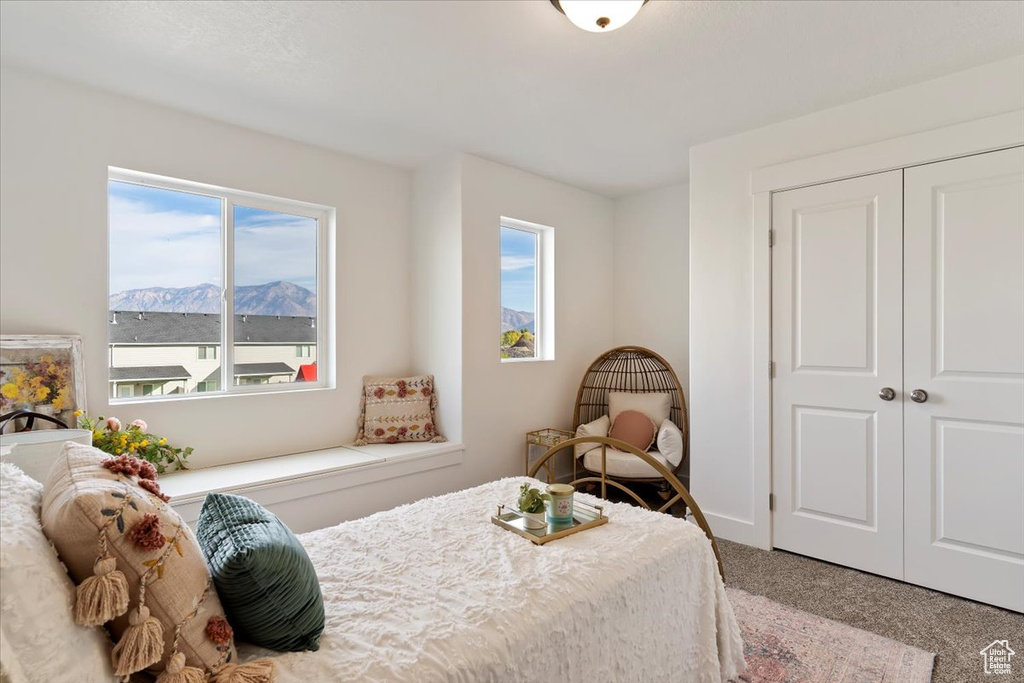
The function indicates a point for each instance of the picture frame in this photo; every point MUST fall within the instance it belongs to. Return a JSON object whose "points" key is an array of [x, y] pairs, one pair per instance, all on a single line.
{"points": [[42, 373]]}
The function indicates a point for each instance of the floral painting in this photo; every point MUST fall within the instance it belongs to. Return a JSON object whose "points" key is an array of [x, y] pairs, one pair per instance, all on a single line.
{"points": [[43, 374]]}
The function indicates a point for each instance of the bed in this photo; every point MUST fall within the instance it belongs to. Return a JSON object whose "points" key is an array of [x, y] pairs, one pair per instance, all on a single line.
{"points": [[433, 591]]}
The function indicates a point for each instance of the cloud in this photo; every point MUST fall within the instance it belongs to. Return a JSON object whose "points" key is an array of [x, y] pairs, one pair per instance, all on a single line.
{"points": [[161, 248], [160, 244], [272, 246], [275, 253], [510, 262]]}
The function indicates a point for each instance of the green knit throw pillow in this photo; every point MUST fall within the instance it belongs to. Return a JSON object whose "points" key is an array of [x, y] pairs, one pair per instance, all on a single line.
{"points": [[264, 578]]}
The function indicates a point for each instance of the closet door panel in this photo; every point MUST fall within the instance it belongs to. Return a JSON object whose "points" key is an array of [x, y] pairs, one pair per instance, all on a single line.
{"points": [[837, 463], [964, 347]]}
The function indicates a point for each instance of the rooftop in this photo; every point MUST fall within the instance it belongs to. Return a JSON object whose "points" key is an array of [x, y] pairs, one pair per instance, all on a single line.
{"points": [[135, 327], [149, 372], [255, 369]]}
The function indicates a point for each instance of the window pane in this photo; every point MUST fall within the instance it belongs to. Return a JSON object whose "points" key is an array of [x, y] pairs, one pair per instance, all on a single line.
{"points": [[275, 296], [165, 287], [518, 293]]}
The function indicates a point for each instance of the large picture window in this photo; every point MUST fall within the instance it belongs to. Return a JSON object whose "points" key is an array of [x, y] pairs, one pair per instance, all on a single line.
{"points": [[193, 266], [527, 291]]}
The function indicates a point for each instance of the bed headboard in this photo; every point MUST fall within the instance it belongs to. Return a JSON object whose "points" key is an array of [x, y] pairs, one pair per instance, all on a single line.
{"points": [[35, 452]]}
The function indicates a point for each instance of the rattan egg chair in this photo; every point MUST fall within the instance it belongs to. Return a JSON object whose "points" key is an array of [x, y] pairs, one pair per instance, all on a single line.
{"points": [[632, 369]]}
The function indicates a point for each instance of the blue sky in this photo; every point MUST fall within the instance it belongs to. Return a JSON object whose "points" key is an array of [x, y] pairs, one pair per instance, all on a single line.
{"points": [[518, 269], [164, 238]]}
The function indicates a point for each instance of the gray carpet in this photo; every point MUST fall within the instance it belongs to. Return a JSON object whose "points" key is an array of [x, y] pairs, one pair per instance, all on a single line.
{"points": [[953, 628]]}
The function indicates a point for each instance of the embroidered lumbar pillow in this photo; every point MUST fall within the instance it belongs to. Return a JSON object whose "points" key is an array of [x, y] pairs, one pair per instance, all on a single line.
{"points": [[139, 567], [263, 575], [397, 409]]}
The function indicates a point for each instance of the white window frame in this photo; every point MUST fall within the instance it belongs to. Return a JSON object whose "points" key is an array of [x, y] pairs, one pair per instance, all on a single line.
{"points": [[203, 353], [325, 279], [544, 293]]}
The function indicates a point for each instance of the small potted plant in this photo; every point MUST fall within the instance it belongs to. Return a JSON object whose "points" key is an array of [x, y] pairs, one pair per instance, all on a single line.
{"points": [[531, 504]]}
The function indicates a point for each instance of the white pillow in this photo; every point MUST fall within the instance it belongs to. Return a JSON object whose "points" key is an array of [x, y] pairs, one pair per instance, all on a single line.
{"points": [[40, 637], [598, 427], [670, 442], [655, 405]]}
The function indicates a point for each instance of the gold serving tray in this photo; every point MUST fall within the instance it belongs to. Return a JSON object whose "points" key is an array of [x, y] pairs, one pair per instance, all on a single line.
{"points": [[584, 517]]}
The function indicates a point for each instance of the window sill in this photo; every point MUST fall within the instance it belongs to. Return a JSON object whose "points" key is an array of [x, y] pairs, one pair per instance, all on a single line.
{"points": [[252, 390], [290, 477]]}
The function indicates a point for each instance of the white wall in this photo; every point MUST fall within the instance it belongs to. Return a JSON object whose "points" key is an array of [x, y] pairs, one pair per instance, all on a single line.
{"points": [[501, 402], [418, 263], [721, 256], [437, 287], [57, 141], [652, 284]]}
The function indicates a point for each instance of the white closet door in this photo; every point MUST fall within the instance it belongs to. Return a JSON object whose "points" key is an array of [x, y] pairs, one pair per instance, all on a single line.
{"points": [[964, 295], [837, 464]]}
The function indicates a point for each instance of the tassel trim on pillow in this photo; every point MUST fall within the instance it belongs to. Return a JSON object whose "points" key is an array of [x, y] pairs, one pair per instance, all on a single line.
{"points": [[260, 671], [104, 595], [178, 672], [141, 645], [433, 411], [361, 420]]}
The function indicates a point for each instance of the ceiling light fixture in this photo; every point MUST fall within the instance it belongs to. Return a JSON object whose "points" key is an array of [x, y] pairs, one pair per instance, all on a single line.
{"points": [[599, 16]]}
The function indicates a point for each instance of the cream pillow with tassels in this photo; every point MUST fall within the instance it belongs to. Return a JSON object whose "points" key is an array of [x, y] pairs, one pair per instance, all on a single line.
{"points": [[138, 566]]}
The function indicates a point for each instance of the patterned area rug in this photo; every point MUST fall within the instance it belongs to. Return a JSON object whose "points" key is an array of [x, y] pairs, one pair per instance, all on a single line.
{"points": [[785, 645]]}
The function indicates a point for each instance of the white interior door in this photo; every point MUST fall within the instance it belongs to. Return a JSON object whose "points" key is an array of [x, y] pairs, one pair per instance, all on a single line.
{"points": [[964, 315], [837, 463]]}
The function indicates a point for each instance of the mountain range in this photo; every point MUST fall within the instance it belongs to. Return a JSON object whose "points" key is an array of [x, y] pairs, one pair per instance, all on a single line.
{"points": [[516, 320], [271, 298]]}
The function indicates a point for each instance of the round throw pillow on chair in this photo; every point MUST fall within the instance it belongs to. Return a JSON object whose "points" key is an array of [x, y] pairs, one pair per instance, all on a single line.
{"points": [[634, 428]]}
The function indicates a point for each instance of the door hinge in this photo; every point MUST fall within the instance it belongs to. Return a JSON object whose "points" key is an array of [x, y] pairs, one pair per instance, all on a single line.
{"points": [[771, 238], [771, 502], [771, 369]]}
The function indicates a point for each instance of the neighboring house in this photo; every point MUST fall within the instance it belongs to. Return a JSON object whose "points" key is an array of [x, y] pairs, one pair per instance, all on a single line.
{"points": [[172, 353]]}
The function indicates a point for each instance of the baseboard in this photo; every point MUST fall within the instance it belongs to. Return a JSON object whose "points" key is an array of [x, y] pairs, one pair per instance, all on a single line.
{"points": [[731, 529]]}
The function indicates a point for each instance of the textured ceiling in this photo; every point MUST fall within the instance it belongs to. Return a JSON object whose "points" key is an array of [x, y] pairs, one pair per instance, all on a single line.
{"points": [[509, 80]]}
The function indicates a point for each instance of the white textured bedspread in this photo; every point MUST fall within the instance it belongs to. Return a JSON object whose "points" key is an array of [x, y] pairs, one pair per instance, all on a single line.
{"points": [[434, 591]]}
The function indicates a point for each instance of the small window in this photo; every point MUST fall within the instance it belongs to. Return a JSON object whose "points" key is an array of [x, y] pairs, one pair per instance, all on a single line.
{"points": [[124, 391], [204, 273], [527, 291]]}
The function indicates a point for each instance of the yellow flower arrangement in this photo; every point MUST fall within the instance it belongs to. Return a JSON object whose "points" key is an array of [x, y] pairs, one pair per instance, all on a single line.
{"points": [[110, 436]]}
